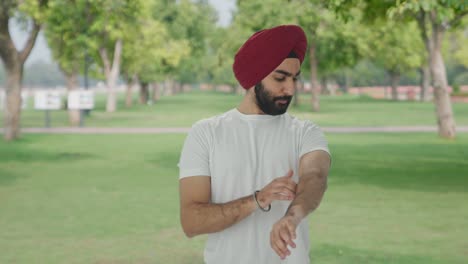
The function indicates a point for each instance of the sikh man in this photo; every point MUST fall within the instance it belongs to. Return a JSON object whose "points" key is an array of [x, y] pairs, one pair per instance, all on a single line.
{"points": [[250, 176]]}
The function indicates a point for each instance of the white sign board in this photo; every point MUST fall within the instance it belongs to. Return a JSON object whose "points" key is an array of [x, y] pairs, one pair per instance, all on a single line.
{"points": [[47, 100], [24, 99], [3, 100], [80, 100]]}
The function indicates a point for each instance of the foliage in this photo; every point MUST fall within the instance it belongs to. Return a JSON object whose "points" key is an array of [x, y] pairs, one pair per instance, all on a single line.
{"points": [[67, 33], [43, 75], [191, 23], [149, 49], [397, 47]]}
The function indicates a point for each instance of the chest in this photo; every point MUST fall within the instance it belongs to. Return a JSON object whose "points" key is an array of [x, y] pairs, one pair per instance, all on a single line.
{"points": [[241, 162]]}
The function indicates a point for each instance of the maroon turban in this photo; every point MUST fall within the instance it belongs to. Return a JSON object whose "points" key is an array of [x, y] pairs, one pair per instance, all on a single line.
{"points": [[265, 50]]}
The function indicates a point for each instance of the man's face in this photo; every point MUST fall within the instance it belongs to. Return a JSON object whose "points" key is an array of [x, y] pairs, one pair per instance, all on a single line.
{"points": [[274, 93]]}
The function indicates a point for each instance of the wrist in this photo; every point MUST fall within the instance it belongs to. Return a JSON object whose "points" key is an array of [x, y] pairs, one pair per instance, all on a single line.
{"points": [[295, 214], [261, 205], [261, 199]]}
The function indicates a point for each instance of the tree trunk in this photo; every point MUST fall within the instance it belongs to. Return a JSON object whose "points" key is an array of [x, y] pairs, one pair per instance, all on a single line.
{"points": [[169, 87], [323, 86], [144, 93], [347, 81], [425, 82], [394, 81], [445, 120], [129, 93], [177, 87], [72, 85], [425, 68], [13, 60], [112, 73], [156, 91], [13, 101], [233, 89], [443, 105], [313, 77]]}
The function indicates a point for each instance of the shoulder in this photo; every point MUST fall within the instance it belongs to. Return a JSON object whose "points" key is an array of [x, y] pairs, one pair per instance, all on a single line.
{"points": [[207, 125], [300, 125]]}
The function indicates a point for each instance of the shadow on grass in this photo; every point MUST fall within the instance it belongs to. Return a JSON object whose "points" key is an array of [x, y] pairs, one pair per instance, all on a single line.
{"points": [[428, 167], [327, 253], [7, 177], [32, 155], [21, 153]]}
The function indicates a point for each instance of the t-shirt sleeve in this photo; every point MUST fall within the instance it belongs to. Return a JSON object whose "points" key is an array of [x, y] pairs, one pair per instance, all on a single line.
{"points": [[313, 139], [194, 158]]}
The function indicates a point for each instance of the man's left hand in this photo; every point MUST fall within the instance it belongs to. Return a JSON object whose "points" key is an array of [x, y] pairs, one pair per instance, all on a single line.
{"points": [[283, 234]]}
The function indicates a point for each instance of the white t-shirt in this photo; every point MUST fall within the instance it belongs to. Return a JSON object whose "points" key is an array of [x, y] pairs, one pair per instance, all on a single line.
{"points": [[243, 153]]}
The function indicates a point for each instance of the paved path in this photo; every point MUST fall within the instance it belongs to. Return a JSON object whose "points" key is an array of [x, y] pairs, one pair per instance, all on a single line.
{"points": [[163, 130]]}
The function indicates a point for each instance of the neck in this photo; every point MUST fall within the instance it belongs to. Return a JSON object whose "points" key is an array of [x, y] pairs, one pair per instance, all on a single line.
{"points": [[248, 105]]}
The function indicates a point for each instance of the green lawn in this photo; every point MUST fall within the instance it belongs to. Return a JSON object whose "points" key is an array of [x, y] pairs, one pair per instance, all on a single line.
{"points": [[183, 110], [392, 198]]}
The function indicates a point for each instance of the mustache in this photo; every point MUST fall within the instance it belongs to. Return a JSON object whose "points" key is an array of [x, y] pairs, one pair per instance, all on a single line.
{"points": [[288, 98]]}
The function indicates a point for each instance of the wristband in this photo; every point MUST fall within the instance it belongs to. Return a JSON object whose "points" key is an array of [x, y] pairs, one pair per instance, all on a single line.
{"points": [[259, 206]]}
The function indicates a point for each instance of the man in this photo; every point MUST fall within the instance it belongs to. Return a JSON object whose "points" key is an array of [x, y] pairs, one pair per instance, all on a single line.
{"points": [[249, 177]]}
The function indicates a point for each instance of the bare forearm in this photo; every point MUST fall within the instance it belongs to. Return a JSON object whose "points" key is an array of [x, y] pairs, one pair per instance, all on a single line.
{"points": [[203, 218], [309, 194]]}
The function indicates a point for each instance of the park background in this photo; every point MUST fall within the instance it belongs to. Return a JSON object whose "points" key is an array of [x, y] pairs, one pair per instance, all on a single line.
{"points": [[104, 190]]}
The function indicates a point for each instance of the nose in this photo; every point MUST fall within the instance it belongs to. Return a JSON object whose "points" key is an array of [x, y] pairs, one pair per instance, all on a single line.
{"points": [[289, 87]]}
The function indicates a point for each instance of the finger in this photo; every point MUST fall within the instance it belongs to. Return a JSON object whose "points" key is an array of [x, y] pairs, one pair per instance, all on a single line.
{"points": [[283, 186], [281, 246], [275, 247], [278, 240], [288, 175], [286, 237], [278, 251], [282, 197], [292, 185], [286, 182], [284, 190], [292, 232]]}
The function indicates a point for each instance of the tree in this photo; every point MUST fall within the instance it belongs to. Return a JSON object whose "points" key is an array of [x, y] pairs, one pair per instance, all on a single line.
{"points": [[193, 22], [434, 18], [396, 47], [66, 31], [339, 47], [151, 51], [441, 15], [33, 12]]}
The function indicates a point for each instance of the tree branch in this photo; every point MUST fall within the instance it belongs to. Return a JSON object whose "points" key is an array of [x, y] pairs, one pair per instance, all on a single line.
{"points": [[24, 53], [105, 61], [421, 19], [117, 56], [458, 17]]}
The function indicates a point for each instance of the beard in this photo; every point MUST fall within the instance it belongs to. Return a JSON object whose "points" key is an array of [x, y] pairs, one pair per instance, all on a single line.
{"points": [[269, 104]]}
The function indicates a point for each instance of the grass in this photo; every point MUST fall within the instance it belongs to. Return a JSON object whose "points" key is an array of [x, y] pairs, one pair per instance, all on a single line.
{"points": [[184, 109], [392, 198]]}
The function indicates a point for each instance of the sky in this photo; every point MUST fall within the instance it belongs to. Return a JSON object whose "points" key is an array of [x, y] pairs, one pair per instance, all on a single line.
{"points": [[41, 51]]}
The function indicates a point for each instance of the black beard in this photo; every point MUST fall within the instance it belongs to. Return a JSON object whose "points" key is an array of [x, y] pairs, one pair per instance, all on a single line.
{"points": [[267, 103]]}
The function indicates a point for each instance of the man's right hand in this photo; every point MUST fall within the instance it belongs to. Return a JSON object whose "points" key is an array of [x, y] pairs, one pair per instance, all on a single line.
{"points": [[282, 188]]}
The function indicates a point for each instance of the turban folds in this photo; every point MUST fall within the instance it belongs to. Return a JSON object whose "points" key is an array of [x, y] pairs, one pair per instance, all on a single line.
{"points": [[265, 50]]}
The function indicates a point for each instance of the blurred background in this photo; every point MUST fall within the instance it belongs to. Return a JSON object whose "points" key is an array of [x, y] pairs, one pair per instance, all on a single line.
{"points": [[97, 97]]}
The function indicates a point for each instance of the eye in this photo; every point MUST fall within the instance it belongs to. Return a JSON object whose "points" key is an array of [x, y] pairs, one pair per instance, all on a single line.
{"points": [[295, 79], [280, 79]]}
